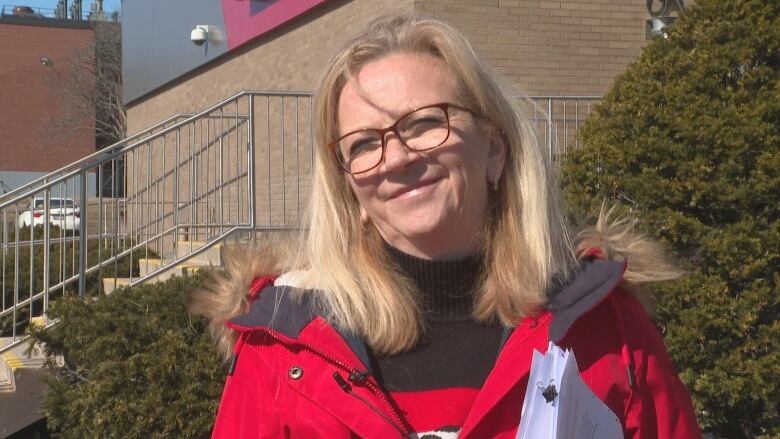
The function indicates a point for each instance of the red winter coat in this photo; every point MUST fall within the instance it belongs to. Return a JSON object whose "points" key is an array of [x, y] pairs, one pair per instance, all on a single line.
{"points": [[294, 375]]}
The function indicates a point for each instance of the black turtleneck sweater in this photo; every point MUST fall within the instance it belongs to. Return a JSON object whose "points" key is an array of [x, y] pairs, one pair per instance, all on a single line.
{"points": [[434, 384]]}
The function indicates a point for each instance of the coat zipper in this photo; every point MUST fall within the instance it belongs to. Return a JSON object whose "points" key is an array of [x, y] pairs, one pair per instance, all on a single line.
{"points": [[363, 377], [356, 376], [348, 389]]}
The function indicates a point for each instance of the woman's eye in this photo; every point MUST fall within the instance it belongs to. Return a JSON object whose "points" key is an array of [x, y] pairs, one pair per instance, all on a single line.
{"points": [[363, 145], [424, 123], [429, 120]]}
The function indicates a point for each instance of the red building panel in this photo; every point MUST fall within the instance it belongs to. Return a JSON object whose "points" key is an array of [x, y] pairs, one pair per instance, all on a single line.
{"points": [[30, 107]]}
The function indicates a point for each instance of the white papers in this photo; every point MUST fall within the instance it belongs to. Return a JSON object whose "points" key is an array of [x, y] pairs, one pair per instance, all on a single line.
{"points": [[558, 404]]}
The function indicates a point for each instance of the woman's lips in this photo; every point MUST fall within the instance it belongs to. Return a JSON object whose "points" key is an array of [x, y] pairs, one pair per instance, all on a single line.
{"points": [[414, 189]]}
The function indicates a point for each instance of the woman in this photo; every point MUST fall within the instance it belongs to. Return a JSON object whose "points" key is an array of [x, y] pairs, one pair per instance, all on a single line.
{"points": [[436, 261]]}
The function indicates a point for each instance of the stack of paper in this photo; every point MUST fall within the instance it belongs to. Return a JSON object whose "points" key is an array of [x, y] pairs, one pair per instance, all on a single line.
{"points": [[558, 404]]}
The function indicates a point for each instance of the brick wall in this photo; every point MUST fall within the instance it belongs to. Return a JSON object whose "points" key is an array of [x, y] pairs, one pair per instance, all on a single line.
{"points": [[27, 102], [547, 47]]}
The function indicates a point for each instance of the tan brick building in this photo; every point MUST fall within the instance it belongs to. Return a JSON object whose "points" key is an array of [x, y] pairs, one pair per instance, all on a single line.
{"points": [[549, 48], [570, 47]]}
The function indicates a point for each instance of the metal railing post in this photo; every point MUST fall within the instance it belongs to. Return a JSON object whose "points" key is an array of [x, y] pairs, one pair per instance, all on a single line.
{"points": [[16, 272], [46, 243], [251, 165], [83, 234], [4, 253], [176, 206], [115, 236], [550, 128]]}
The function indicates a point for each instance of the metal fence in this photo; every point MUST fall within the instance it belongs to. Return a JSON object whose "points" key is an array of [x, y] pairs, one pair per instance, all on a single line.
{"points": [[61, 12], [163, 196], [557, 120], [173, 192], [43, 226]]}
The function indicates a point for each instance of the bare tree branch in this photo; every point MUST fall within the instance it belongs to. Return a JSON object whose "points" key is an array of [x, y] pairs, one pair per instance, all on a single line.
{"points": [[88, 88]]}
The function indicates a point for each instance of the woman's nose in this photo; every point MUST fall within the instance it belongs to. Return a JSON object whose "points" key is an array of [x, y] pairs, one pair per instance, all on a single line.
{"points": [[397, 155]]}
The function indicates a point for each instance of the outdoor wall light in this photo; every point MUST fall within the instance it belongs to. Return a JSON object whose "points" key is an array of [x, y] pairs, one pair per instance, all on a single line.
{"points": [[658, 26], [660, 10], [46, 61]]}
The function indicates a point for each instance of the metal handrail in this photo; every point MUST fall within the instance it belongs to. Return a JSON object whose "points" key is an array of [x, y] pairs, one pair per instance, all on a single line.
{"points": [[80, 162], [189, 178], [100, 159], [192, 178]]}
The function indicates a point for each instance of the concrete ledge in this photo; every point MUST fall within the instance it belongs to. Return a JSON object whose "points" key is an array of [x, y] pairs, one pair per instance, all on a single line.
{"points": [[22, 407]]}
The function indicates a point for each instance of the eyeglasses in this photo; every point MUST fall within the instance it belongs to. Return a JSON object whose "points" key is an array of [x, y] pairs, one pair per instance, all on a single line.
{"points": [[419, 130]]}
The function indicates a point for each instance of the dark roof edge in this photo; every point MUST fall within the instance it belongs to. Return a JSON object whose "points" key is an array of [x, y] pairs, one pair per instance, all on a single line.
{"points": [[48, 22]]}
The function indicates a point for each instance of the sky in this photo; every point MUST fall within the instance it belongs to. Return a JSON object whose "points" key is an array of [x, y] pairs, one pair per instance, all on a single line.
{"points": [[108, 5]]}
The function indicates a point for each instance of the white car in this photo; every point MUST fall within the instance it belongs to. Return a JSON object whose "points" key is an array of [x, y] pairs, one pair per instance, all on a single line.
{"points": [[63, 213]]}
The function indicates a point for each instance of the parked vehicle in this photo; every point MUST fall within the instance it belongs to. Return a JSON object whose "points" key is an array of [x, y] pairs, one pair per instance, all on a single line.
{"points": [[23, 11], [63, 213]]}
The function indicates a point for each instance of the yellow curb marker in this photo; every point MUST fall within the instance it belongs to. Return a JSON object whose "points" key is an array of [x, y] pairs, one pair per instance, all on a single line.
{"points": [[13, 361]]}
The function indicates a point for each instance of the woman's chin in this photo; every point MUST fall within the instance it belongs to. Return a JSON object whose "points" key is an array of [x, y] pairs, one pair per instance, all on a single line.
{"points": [[418, 228], [429, 240]]}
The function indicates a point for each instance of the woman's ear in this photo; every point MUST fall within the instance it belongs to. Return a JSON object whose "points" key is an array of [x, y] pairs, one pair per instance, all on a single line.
{"points": [[364, 216], [496, 155]]}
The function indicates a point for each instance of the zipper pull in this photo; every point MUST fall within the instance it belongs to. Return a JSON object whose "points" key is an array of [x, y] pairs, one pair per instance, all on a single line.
{"points": [[348, 389], [233, 362], [340, 381], [358, 376]]}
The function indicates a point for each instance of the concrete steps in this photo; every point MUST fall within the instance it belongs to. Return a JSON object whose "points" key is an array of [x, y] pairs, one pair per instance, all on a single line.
{"points": [[17, 358], [211, 258], [7, 381], [110, 284]]}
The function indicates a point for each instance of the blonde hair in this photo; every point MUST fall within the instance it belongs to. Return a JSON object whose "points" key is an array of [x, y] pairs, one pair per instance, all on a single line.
{"points": [[618, 238], [525, 243]]}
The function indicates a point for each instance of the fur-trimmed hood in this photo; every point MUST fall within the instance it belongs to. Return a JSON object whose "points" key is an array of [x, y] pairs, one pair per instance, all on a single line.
{"points": [[226, 294], [617, 240]]}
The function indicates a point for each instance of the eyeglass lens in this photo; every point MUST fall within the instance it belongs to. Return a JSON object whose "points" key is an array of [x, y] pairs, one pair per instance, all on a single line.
{"points": [[423, 129]]}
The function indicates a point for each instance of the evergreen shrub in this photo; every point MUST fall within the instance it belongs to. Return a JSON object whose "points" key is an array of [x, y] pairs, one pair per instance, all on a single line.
{"points": [[688, 141], [63, 264], [134, 364]]}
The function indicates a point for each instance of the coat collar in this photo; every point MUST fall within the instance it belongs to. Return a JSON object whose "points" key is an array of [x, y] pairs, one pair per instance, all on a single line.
{"points": [[591, 284], [279, 309]]}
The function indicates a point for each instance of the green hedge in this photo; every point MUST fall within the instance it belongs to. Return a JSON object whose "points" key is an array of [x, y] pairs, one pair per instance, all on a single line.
{"points": [[688, 140], [137, 365]]}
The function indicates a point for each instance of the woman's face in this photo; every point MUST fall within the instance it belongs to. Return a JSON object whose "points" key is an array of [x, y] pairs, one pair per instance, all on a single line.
{"points": [[430, 204]]}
